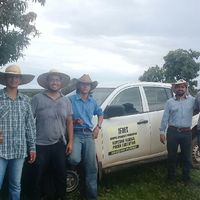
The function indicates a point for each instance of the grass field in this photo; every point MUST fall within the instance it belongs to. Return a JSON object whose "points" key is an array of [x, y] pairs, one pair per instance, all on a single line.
{"points": [[147, 182], [144, 182]]}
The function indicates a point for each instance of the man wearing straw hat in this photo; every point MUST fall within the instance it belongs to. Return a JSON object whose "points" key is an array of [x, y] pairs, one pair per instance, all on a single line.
{"points": [[53, 114], [17, 128], [178, 117], [84, 107]]}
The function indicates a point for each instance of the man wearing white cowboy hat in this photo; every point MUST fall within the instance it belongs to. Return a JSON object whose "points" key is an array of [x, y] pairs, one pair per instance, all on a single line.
{"points": [[17, 128], [178, 118], [53, 114], [84, 107]]}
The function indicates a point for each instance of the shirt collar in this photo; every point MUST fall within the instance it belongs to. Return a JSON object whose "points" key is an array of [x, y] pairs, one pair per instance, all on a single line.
{"points": [[185, 97], [45, 93], [19, 95], [78, 97]]}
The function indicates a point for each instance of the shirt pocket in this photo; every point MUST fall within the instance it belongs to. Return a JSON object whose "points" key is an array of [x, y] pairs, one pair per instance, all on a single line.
{"points": [[4, 110], [174, 108]]}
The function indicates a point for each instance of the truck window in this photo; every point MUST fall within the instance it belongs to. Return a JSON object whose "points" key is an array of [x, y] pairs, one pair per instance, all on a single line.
{"points": [[100, 94], [130, 99], [157, 97]]}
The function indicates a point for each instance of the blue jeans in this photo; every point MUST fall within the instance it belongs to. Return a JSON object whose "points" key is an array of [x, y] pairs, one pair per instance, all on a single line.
{"points": [[14, 172], [84, 151]]}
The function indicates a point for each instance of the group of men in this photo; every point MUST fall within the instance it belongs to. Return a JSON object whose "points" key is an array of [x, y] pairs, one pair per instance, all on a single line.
{"points": [[47, 130], [53, 126]]}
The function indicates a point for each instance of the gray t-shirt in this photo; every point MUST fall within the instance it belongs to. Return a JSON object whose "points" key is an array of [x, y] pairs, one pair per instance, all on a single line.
{"points": [[51, 118]]}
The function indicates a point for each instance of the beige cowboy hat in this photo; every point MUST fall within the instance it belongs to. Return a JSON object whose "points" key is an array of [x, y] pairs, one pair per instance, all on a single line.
{"points": [[86, 79], [15, 70], [179, 82], [42, 79]]}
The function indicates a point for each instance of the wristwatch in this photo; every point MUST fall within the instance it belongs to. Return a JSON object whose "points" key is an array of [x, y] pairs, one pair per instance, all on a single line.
{"points": [[99, 126]]}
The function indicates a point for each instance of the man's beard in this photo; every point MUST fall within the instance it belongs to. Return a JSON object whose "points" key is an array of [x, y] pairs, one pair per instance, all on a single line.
{"points": [[180, 94], [54, 90]]}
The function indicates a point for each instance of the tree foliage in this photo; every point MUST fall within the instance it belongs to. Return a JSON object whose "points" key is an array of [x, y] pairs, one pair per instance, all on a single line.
{"points": [[182, 64], [179, 64], [153, 74], [16, 28]]}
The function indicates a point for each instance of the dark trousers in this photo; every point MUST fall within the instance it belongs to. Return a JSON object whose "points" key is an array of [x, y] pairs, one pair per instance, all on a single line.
{"points": [[51, 159], [184, 139]]}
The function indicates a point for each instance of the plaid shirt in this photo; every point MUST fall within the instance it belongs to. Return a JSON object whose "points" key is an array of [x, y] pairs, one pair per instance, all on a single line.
{"points": [[18, 126]]}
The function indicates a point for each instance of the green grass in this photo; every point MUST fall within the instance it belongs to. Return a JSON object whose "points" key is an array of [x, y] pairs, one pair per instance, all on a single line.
{"points": [[146, 182]]}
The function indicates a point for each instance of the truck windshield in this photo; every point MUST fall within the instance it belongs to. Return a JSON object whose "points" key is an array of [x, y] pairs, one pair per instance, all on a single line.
{"points": [[100, 94]]}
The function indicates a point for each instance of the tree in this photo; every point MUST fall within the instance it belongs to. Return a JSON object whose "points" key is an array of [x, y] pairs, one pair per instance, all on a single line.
{"points": [[182, 64], [153, 74], [179, 64], [16, 28]]}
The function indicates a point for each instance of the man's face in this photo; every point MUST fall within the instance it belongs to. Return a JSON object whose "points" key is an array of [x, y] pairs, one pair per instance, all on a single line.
{"points": [[13, 81], [85, 88], [54, 83], [180, 89]]}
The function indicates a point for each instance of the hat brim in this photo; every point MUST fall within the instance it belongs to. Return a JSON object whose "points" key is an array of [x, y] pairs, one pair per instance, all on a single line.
{"points": [[93, 83], [42, 79], [175, 84], [24, 78]]}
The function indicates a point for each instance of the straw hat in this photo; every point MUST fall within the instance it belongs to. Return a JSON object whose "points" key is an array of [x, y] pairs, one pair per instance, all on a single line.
{"points": [[86, 79], [179, 82], [43, 78], [15, 70]]}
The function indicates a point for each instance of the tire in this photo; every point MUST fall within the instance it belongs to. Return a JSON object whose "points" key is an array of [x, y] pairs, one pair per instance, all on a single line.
{"points": [[72, 181], [195, 154]]}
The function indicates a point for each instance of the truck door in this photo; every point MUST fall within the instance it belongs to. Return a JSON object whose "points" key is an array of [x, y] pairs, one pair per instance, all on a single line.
{"points": [[126, 134], [156, 99]]}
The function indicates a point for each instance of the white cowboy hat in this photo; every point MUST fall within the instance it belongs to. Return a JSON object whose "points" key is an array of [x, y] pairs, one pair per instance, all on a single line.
{"points": [[15, 70], [179, 82], [42, 79], [86, 79]]}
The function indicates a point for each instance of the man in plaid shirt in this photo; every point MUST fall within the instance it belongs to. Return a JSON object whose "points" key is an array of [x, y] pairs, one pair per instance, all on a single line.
{"points": [[17, 128]]}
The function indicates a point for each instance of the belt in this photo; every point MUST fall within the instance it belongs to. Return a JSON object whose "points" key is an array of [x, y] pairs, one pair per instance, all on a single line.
{"points": [[82, 130], [185, 129]]}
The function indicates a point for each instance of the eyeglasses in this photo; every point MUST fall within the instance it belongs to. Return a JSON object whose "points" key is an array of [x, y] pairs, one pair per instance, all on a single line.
{"points": [[85, 85]]}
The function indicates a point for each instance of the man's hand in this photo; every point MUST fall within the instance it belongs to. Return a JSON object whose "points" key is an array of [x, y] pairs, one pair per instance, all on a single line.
{"points": [[95, 132], [78, 121], [69, 148], [162, 138], [32, 157]]}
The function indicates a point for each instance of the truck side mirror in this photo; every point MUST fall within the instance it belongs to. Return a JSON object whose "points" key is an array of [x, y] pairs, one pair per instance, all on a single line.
{"points": [[114, 111]]}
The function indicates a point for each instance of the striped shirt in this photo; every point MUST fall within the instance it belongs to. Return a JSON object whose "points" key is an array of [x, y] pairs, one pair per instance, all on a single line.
{"points": [[18, 126]]}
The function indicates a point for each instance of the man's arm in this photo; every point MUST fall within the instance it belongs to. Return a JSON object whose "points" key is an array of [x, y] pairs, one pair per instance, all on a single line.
{"points": [[98, 127], [164, 123], [31, 134], [70, 134], [196, 104]]}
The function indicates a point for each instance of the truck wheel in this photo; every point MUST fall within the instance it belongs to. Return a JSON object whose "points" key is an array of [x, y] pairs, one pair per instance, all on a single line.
{"points": [[72, 181], [195, 154]]}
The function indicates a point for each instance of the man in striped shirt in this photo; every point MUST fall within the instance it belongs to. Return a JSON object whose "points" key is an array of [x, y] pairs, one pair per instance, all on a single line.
{"points": [[17, 128]]}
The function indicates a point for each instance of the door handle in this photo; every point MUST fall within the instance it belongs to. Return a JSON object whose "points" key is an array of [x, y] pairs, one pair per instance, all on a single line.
{"points": [[142, 121]]}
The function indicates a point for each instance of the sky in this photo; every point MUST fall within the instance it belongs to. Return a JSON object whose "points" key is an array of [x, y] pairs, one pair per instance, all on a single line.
{"points": [[114, 41]]}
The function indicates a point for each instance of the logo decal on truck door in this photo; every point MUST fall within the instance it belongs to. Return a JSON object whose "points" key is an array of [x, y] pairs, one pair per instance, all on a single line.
{"points": [[122, 139]]}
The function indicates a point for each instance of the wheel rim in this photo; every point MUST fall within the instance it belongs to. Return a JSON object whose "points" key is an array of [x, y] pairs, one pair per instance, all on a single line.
{"points": [[72, 181]]}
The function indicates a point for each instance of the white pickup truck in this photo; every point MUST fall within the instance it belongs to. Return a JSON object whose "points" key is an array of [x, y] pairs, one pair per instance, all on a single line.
{"points": [[130, 130]]}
